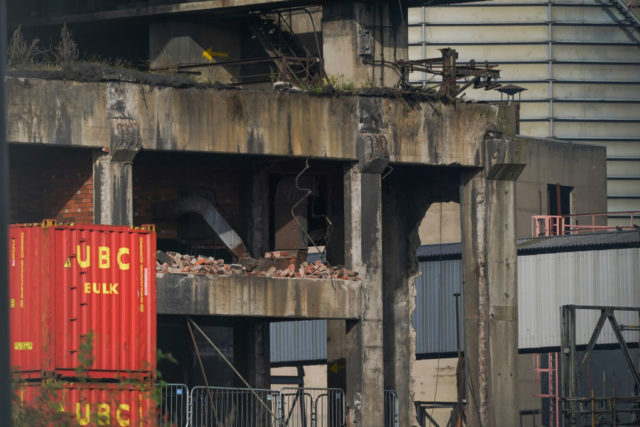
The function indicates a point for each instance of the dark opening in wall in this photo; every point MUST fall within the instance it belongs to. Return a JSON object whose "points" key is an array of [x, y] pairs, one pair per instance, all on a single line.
{"points": [[559, 199]]}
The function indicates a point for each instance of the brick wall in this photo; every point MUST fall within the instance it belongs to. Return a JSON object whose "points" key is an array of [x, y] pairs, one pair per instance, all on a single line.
{"points": [[50, 182]]}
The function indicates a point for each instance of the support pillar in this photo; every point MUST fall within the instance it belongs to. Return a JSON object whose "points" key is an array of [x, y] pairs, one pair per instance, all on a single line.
{"points": [[489, 254], [113, 168], [356, 346], [113, 188]]}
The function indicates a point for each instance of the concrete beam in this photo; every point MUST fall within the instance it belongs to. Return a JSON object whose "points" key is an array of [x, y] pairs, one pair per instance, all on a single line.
{"points": [[489, 253], [263, 123], [253, 296]]}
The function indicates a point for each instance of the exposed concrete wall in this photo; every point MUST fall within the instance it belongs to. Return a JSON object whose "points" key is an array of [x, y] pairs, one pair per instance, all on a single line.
{"points": [[173, 43], [257, 296], [376, 29], [580, 166], [583, 167], [128, 115]]}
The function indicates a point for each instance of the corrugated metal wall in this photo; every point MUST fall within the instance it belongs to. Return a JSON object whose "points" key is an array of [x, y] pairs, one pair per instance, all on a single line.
{"points": [[545, 282], [298, 341], [435, 316], [578, 59]]}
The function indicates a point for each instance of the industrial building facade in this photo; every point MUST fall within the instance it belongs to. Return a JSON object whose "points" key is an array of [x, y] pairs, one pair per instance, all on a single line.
{"points": [[578, 62], [252, 131]]}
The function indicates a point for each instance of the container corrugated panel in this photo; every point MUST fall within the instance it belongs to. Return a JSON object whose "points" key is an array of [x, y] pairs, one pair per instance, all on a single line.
{"points": [[111, 404], [435, 317], [298, 341], [548, 281], [79, 282]]}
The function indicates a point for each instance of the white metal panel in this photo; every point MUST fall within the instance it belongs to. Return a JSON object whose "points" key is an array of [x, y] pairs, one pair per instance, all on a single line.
{"points": [[595, 110], [548, 281], [629, 187], [596, 129], [598, 72], [623, 168], [588, 15], [598, 92], [573, 33], [487, 34], [621, 205], [487, 15], [586, 52], [517, 52]]}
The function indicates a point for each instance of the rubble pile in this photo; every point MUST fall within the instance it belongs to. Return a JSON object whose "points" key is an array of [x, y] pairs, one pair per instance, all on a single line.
{"points": [[274, 264]]}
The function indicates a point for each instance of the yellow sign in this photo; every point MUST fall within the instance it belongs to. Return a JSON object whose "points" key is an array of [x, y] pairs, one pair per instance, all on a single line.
{"points": [[67, 263], [101, 288], [335, 367], [23, 345], [209, 54]]}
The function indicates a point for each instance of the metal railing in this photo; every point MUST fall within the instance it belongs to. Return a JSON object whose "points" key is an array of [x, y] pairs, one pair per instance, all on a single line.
{"points": [[558, 225], [391, 409], [174, 405], [313, 407], [231, 407], [242, 407]]}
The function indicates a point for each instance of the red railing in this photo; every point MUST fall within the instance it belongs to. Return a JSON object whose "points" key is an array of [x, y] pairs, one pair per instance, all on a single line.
{"points": [[558, 225]]}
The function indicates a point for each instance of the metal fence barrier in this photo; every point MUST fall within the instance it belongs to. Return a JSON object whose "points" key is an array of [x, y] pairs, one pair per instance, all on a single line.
{"points": [[234, 407], [240, 407], [391, 409], [313, 407], [174, 405]]}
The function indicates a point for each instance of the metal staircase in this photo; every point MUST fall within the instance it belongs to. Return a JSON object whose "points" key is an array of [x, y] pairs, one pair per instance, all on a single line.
{"points": [[294, 62]]}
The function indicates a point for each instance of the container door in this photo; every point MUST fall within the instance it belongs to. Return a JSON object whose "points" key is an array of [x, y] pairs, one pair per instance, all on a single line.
{"points": [[105, 302], [29, 301]]}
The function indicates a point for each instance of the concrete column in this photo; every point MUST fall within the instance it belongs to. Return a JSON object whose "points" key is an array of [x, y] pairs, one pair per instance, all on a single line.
{"points": [[359, 344], [489, 254], [113, 188], [355, 34], [251, 352], [113, 168], [259, 205]]}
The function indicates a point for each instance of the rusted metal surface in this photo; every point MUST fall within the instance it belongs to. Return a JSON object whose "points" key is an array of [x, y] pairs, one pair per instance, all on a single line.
{"points": [[112, 404], [75, 285]]}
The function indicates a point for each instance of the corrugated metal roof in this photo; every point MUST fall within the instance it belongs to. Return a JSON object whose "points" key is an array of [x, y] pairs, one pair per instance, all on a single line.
{"points": [[574, 242], [534, 245], [444, 251]]}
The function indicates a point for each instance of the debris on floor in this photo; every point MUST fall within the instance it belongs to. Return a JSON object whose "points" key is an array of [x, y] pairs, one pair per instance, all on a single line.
{"points": [[274, 264]]}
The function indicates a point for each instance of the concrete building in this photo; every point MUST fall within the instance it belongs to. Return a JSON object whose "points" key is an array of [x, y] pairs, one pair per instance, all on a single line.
{"points": [[232, 173]]}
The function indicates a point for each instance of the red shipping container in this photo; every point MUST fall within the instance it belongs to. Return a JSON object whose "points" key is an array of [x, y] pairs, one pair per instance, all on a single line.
{"points": [[110, 404], [69, 283]]}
